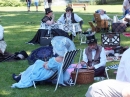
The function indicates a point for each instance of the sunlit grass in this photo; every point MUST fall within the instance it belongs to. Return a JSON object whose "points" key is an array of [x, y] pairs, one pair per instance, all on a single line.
{"points": [[18, 28]]}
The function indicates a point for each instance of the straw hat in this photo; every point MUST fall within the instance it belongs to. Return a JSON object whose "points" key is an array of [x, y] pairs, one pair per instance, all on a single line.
{"points": [[61, 45]]}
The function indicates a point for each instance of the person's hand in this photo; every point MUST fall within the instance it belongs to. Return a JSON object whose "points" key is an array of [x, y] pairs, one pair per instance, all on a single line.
{"points": [[45, 65], [82, 63], [91, 68], [53, 16]]}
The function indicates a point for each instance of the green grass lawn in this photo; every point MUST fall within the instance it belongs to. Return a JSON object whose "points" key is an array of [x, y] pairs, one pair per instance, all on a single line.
{"points": [[20, 26]]}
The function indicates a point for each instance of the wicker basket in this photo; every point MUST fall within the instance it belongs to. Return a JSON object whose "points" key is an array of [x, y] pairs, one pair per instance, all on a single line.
{"points": [[84, 76]]}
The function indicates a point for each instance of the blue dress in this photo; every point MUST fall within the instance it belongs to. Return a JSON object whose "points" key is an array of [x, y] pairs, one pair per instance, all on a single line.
{"points": [[37, 72]]}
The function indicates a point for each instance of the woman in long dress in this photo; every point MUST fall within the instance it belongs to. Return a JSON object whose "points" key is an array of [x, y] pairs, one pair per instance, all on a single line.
{"points": [[41, 70]]}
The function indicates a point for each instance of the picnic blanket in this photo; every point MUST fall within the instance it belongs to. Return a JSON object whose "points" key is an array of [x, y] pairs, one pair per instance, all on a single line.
{"points": [[127, 34]]}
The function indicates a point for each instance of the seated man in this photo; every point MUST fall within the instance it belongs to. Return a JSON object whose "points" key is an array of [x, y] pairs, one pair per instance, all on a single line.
{"points": [[109, 88], [94, 56]]}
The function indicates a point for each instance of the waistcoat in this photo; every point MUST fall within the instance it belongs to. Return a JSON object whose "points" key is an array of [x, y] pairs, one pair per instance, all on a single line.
{"points": [[72, 17], [96, 59]]}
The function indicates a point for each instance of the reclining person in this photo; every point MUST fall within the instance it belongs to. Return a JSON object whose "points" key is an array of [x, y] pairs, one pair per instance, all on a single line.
{"points": [[41, 70]]}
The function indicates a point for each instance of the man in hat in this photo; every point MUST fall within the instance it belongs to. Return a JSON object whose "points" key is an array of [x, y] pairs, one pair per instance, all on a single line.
{"points": [[49, 17], [94, 56], [70, 17]]}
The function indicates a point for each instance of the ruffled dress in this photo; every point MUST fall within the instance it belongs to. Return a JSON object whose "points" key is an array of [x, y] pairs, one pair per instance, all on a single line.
{"points": [[37, 72]]}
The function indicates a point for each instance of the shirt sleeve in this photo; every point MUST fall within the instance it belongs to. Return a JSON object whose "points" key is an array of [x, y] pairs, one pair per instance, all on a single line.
{"points": [[61, 19], [77, 18], [85, 59], [102, 59]]}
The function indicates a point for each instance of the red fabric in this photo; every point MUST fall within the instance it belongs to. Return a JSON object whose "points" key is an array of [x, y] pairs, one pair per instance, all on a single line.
{"points": [[108, 48], [127, 34]]}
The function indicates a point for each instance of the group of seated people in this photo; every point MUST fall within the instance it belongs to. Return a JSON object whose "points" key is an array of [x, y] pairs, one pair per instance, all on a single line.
{"points": [[49, 19], [119, 87], [94, 58], [69, 17]]}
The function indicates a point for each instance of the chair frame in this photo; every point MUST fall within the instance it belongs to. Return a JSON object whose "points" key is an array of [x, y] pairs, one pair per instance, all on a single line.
{"points": [[67, 60], [100, 24]]}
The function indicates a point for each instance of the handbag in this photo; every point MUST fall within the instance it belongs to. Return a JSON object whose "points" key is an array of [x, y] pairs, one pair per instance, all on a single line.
{"points": [[45, 41]]}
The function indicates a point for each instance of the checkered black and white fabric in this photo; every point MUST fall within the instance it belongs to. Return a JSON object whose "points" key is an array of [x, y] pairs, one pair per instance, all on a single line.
{"points": [[115, 66], [69, 28]]}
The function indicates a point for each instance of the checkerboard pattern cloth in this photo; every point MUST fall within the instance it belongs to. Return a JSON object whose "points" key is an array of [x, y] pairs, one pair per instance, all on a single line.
{"points": [[118, 27]]}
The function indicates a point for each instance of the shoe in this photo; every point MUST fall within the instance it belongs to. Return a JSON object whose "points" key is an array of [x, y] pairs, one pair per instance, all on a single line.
{"points": [[15, 77]]}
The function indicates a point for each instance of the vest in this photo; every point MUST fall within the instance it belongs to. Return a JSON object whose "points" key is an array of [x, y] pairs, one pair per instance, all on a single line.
{"points": [[96, 59], [72, 17]]}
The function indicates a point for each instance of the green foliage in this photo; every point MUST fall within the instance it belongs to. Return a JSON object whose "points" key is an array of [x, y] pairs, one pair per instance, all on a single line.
{"points": [[13, 3]]}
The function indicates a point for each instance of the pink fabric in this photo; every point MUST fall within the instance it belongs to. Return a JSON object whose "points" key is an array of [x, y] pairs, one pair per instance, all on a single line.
{"points": [[72, 66], [127, 34]]}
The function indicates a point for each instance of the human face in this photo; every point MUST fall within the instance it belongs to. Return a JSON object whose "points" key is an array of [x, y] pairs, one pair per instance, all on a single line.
{"points": [[68, 11], [92, 45]]}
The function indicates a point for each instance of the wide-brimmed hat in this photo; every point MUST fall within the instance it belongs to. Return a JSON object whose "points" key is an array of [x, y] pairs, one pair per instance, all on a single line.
{"points": [[91, 39], [69, 9], [48, 10], [61, 45]]}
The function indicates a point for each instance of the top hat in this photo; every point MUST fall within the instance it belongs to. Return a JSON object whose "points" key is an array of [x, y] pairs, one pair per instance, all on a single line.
{"points": [[61, 45], [48, 10], [91, 39], [69, 9]]}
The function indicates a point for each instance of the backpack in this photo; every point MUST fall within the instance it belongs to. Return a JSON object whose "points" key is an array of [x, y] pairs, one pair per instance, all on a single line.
{"points": [[43, 53]]}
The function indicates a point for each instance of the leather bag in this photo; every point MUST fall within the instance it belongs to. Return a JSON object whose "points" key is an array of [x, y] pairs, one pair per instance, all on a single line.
{"points": [[45, 41]]}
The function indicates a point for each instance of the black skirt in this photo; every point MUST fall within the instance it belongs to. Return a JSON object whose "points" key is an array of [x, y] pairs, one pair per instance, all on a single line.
{"points": [[44, 33]]}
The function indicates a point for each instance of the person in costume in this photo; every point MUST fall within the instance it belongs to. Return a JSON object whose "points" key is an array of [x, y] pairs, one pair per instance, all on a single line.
{"points": [[94, 56], [41, 70]]}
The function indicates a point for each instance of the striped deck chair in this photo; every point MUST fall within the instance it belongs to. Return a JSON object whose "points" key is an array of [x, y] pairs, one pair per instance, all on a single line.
{"points": [[68, 59]]}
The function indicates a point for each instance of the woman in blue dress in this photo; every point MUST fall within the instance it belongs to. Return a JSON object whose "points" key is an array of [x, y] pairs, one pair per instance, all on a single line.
{"points": [[41, 70]]}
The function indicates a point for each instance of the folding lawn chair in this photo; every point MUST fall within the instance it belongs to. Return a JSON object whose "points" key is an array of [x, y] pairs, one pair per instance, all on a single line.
{"points": [[68, 59]]}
